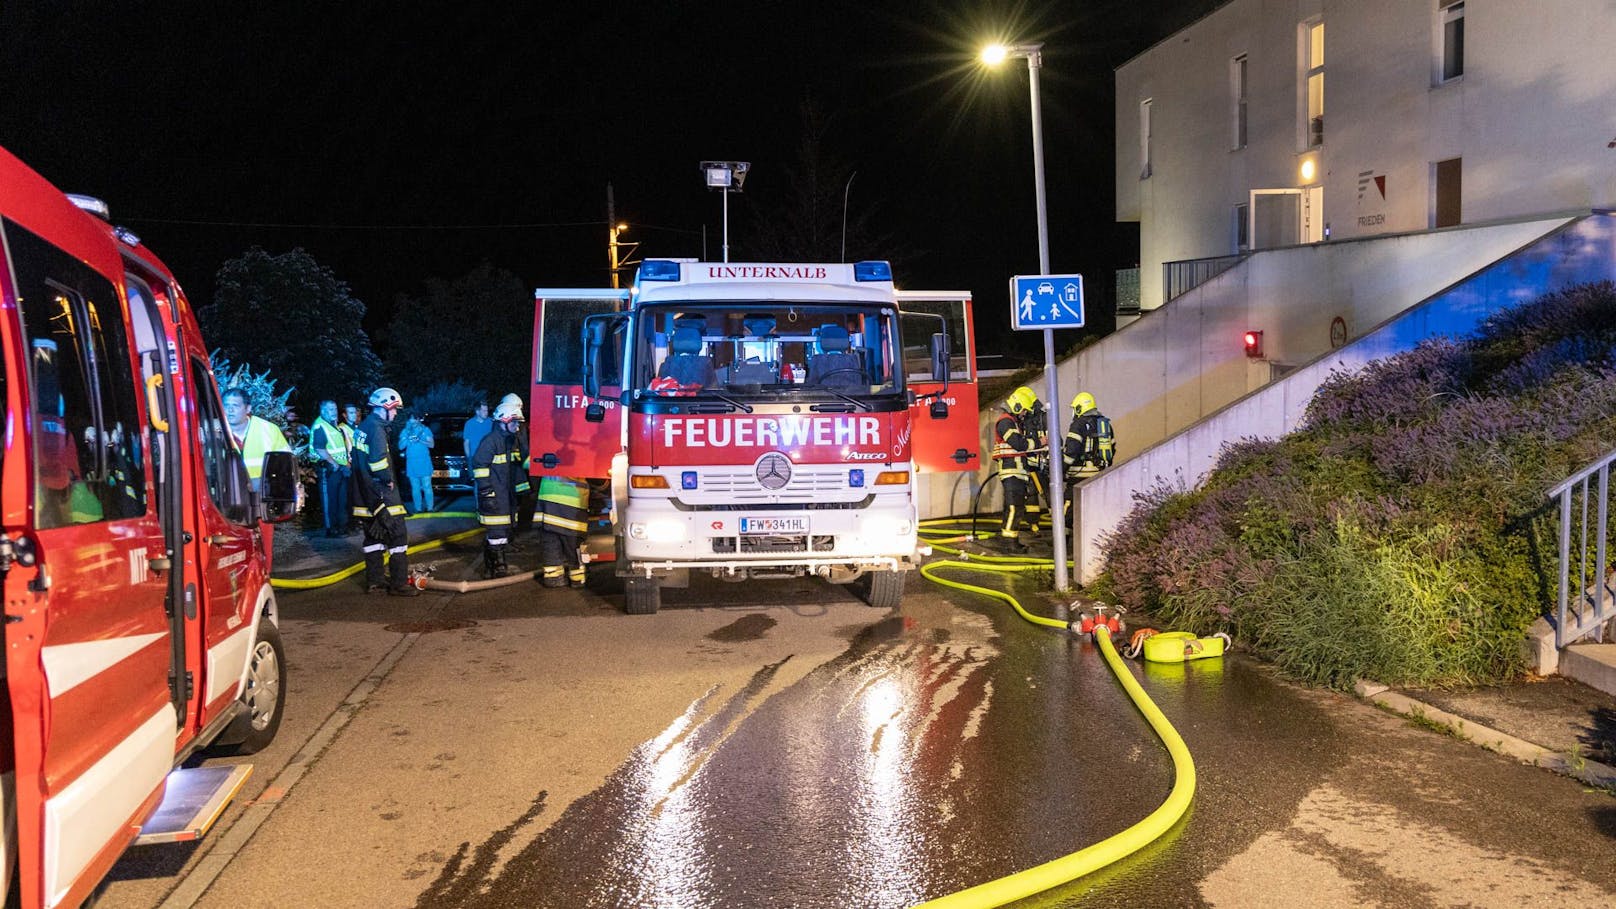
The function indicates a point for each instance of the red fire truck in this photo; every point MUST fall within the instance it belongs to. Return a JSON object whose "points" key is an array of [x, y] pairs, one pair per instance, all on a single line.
{"points": [[756, 420], [139, 621]]}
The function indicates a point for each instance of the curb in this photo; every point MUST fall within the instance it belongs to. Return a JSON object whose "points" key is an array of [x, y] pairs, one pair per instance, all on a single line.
{"points": [[1575, 766]]}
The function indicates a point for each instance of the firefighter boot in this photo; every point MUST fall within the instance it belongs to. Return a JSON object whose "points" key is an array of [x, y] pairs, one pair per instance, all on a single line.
{"points": [[554, 576], [494, 564], [398, 573]]}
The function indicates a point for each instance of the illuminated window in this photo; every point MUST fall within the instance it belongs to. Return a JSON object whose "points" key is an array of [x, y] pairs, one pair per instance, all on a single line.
{"points": [[1144, 138], [1313, 82]]}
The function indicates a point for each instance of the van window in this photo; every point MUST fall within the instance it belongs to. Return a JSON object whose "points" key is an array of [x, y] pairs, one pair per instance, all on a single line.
{"points": [[88, 463], [213, 436]]}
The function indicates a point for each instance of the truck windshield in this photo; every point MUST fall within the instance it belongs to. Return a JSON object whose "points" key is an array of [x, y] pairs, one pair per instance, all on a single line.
{"points": [[767, 350]]}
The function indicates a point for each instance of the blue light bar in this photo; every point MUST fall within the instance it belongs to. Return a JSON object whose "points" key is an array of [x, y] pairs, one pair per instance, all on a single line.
{"points": [[659, 270], [855, 478], [687, 480], [873, 270]]}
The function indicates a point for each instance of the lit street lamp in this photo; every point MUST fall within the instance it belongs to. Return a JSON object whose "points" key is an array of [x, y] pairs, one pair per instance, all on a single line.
{"points": [[993, 55], [619, 250], [726, 177]]}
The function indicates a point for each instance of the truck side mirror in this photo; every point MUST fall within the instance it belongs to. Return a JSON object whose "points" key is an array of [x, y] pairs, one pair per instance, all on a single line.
{"points": [[939, 358], [280, 486], [594, 413], [594, 348], [939, 408]]}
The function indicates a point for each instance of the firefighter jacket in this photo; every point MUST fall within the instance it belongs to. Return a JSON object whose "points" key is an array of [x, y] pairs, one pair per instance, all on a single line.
{"points": [[564, 506], [496, 468], [1009, 441], [373, 486], [328, 438]]}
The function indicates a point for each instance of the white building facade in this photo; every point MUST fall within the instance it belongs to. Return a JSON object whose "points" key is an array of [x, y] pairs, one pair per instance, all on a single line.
{"points": [[1272, 123]]}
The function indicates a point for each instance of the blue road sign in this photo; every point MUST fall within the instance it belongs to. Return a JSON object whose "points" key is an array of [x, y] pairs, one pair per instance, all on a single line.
{"points": [[1046, 301]]}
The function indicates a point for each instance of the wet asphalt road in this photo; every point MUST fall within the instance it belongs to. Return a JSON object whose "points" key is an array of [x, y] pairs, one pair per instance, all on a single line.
{"points": [[783, 745]]}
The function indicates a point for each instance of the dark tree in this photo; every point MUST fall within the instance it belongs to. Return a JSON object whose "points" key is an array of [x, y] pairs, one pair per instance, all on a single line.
{"points": [[803, 220], [476, 329], [292, 316]]}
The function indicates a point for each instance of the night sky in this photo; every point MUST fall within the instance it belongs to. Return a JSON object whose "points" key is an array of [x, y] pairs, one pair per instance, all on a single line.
{"points": [[399, 142]]}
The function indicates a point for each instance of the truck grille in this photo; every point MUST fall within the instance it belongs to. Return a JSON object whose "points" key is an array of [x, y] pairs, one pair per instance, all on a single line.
{"points": [[793, 543], [806, 485]]}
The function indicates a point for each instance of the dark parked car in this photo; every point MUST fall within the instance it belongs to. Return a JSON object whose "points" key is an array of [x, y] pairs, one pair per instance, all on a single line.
{"points": [[449, 468]]}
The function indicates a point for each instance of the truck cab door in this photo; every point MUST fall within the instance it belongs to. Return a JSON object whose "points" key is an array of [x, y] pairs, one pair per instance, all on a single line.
{"points": [[88, 644], [561, 440], [951, 443]]}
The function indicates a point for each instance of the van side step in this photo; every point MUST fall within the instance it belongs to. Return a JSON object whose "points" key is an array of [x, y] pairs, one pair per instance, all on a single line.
{"points": [[193, 801]]}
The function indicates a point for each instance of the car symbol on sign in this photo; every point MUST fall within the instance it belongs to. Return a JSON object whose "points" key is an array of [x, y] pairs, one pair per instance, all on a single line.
{"points": [[1046, 288]]}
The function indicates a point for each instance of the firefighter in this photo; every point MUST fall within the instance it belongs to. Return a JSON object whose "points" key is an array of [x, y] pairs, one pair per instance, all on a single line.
{"points": [[496, 468], [563, 521], [526, 500], [376, 500], [1090, 443], [1035, 423], [1011, 442]]}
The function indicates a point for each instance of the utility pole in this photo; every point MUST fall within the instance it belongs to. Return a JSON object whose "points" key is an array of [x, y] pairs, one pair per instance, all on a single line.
{"points": [[615, 247]]}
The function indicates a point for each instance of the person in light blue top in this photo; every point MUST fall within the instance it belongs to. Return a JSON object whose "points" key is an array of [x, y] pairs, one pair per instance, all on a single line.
{"points": [[417, 442]]}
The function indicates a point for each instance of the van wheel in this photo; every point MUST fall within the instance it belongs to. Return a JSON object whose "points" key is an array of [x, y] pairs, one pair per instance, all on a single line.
{"points": [[881, 589], [642, 596], [265, 696]]}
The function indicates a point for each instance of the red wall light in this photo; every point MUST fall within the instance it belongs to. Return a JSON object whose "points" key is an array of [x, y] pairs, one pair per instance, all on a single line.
{"points": [[1253, 342]]}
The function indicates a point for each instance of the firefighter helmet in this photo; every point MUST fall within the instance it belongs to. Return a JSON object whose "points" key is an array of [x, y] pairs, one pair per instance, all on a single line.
{"points": [[386, 397], [509, 409], [1083, 403], [1021, 400]]}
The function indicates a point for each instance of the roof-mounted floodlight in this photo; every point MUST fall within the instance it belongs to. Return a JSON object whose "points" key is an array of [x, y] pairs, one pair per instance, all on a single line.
{"points": [[90, 204]]}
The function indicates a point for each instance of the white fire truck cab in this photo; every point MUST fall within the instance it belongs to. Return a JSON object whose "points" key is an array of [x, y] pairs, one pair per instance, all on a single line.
{"points": [[756, 420], [139, 623]]}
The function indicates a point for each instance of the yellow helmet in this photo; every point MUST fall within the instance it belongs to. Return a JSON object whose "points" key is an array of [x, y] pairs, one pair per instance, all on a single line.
{"points": [[1084, 402], [1021, 400]]}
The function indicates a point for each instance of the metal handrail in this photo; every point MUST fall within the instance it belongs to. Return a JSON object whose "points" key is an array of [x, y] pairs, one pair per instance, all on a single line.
{"points": [[1595, 603], [1181, 276]]}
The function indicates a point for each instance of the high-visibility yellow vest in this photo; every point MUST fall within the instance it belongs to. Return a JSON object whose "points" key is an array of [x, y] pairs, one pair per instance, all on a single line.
{"points": [[336, 441], [262, 436]]}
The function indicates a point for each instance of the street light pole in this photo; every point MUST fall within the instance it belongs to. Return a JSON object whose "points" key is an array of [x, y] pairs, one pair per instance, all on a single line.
{"points": [[1034, 54], [845, 193]]}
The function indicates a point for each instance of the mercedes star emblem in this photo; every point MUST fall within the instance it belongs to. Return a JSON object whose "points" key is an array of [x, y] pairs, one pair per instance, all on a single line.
{"points": [[774, 470]]}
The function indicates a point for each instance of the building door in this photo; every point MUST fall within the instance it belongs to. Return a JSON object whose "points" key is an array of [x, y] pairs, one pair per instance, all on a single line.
{"points": [[1276, 218], [1445, 213]]}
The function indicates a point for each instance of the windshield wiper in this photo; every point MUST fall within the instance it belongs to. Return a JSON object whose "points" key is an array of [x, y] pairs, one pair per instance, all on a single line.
{"points": [[861, 405], [732, 402]]}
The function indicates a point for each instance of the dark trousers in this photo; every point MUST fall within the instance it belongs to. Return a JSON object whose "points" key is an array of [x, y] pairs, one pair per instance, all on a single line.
{"points": [[558, 556], [1015, 504], [334, 498], [386, 538]]}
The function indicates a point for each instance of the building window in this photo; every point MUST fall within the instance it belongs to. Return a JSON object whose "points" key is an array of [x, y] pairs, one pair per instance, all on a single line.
{"points": [[1242, 227], [1450, 16], [1313, 82], [1447, 209], [1144, 138], [1237, 99]]}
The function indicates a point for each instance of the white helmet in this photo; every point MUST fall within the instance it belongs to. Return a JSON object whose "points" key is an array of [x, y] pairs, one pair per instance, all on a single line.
{"points": [[510, 408], [386, 397]]}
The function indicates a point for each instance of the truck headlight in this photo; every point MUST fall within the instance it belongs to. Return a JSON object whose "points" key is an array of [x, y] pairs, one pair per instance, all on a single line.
{"points": [[880, 527], [665, 530]]}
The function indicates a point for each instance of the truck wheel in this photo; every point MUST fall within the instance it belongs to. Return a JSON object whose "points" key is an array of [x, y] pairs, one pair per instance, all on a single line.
{"points": [[642, 596], [882, 589], [265, 696]]}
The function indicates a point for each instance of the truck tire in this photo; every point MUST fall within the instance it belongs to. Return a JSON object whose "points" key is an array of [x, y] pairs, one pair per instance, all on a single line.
{"points": [[641, 596], [264, 697], [882, 589]]}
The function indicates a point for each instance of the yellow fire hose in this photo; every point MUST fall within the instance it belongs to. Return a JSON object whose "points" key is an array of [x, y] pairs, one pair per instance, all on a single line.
{"points": [[351, 570], [1107, 851]]}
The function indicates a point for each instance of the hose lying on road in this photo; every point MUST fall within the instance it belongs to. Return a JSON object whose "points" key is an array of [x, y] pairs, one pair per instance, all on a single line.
{"points": [[1107, 851], [335, 576], [485, 584]]}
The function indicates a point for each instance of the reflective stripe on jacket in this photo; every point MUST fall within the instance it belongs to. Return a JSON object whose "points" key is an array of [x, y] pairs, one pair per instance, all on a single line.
{"points": [[564, 505], [335, 441]]}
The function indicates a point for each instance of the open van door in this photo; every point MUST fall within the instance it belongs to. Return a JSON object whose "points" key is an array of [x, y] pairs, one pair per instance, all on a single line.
{"points": [[950, 443], [88, 653], [561, 440]]}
